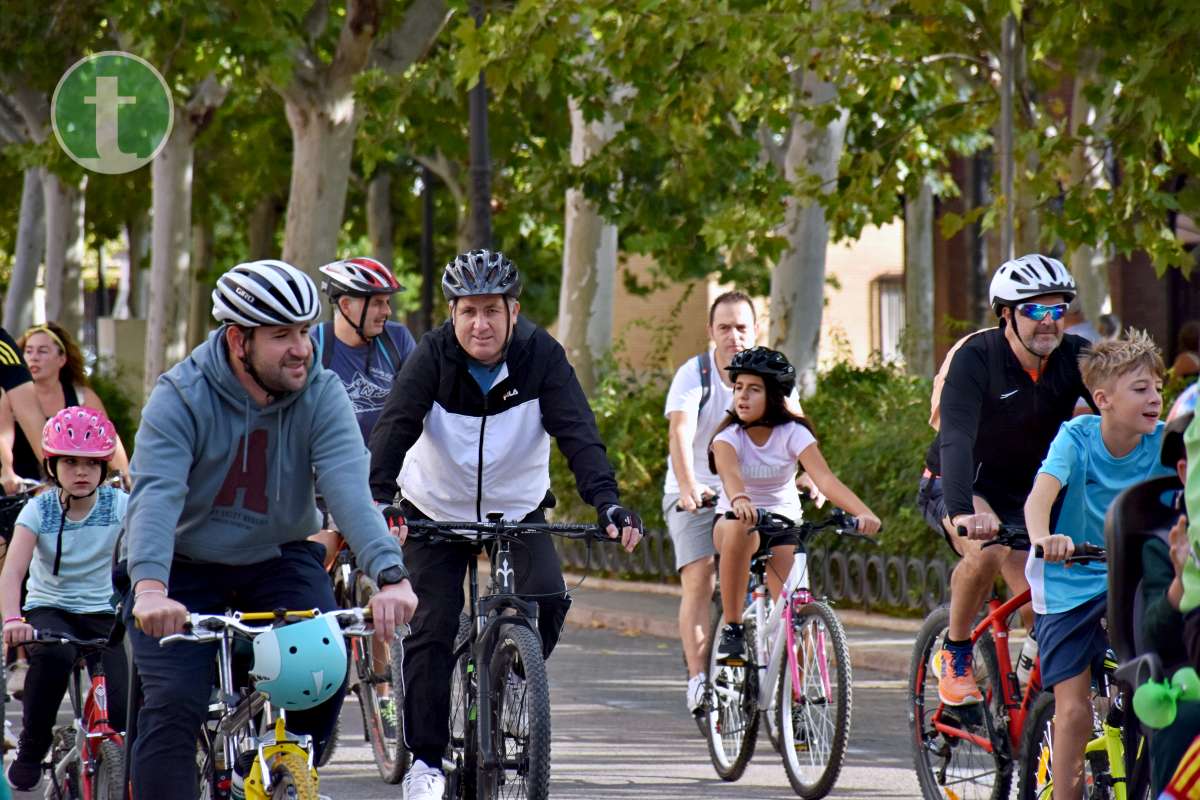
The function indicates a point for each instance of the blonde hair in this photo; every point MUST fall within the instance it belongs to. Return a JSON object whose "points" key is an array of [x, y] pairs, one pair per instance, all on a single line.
{"points": [[1109, 359]]}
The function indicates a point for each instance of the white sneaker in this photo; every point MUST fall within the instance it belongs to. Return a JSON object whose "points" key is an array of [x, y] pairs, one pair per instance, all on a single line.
{"points": [[695, 693], [423, 782]]}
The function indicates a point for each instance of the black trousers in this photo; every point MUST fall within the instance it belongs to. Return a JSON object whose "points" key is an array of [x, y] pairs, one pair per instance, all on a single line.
{"points": [[50, 671], [438, 571]]}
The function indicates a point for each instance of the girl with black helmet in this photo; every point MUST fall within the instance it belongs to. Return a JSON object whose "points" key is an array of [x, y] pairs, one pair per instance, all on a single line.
{"points": [[755, 452]]}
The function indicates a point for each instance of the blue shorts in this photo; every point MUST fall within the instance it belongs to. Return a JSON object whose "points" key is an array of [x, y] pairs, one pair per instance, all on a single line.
{"points": [[1070, 642]]}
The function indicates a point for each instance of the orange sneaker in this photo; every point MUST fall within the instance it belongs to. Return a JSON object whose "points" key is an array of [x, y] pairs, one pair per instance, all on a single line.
{"points": [[956, 679]]}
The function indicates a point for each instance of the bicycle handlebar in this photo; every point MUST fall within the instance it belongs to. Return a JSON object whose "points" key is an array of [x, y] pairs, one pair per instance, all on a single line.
{"points": [[772, 524], [59, 637], [492, 529], [1084, 554], [212, 627], [1017, 538], [706, 501]]}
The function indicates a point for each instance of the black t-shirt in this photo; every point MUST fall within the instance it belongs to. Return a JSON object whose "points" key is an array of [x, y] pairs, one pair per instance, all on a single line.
{"points": [[997, 424], [13, 371]]}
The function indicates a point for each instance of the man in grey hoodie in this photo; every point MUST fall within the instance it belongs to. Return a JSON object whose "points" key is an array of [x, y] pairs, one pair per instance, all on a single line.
{"points": [[230, 446]]}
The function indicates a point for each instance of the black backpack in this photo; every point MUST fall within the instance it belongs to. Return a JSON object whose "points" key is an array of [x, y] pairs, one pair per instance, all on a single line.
{"points": [[704, 364]]}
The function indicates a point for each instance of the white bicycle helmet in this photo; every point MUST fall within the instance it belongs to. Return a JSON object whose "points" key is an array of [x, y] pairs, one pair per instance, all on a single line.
{"points": [[266, 292], [1029, 276]]}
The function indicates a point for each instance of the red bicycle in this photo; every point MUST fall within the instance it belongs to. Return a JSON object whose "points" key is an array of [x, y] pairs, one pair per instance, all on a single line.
{"points": [[968, 752], [87, 758]]}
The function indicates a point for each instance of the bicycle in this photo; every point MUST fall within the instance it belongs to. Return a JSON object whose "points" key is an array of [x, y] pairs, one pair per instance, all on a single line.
{"points": [[273, 763], [374, 684], [499, 694], [87, 757], [1105, 762], [797, 671]]}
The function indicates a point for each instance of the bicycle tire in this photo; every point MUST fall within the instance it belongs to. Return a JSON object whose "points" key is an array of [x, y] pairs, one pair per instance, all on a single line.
{"points": [[392, 758], [461, 752], [1036, 771], [291, 779], [68, 788], [110, 772], [520, 719], [944, 765], [731, 713], [813, 742]]}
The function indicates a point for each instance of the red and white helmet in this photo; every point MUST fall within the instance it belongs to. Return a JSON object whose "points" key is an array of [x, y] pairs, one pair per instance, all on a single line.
{"points": [[79, 431], [358, 277]]}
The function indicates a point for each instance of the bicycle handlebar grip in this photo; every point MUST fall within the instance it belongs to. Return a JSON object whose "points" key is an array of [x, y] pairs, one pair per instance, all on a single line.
{"points": [[1038, 552], [394, 516]]}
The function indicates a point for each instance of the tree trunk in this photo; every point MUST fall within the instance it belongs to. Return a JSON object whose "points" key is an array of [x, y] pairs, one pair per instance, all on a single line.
{"points": [[798, 281], [380, 225], [585, 300], [200, 304], [31, 244], [322, 143], [260, 232], [918, 283], [170, 253], [1088, 262], [64, 250], [129, 293]]}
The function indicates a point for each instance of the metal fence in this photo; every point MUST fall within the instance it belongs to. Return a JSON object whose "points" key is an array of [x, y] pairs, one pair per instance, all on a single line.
{"points": [[861, 578]]}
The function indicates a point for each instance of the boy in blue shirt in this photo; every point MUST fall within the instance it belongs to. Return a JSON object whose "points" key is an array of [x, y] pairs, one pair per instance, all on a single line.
{"points": [[1090, 461]]}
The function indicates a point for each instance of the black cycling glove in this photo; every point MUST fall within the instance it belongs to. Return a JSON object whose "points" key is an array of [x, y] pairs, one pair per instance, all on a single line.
{"points": [[613, 514]]}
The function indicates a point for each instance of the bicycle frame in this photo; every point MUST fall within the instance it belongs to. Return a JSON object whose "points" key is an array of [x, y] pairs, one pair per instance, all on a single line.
{"points": [[1016, 706], [775, 629], [91, 726]]}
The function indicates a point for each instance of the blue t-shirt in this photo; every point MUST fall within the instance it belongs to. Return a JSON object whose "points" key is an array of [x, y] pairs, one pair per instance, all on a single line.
{"points": [[369, 390], [84, 580], [1091, 479], [484, 374]]}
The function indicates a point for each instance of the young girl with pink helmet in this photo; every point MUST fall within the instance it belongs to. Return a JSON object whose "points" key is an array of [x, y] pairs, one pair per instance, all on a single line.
{"points": [[64, 539]]}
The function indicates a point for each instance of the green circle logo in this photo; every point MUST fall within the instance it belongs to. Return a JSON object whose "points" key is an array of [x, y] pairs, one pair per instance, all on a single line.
{"points": [[112, 112]]}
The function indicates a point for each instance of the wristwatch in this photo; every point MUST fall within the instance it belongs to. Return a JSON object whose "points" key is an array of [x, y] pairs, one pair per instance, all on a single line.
{"points": [[391, 575]]}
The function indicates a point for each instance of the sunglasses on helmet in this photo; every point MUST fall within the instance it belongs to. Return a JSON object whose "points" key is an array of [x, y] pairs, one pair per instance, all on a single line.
{"points": [[1038, 312]]}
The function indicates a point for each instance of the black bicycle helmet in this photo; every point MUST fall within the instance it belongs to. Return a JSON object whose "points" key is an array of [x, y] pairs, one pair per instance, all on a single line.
{"points": [[481, 272], [770, 365]]}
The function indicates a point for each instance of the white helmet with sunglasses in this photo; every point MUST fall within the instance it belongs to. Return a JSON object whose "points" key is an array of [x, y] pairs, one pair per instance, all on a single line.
{"points": [[1027, 277]]}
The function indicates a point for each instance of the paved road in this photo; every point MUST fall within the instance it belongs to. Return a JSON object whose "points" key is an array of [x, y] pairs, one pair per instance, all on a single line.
{"points": [[620, 731]]}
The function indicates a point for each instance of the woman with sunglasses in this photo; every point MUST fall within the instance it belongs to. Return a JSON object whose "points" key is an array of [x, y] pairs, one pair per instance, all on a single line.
{"points": [[56, 365], [1007, 390]]}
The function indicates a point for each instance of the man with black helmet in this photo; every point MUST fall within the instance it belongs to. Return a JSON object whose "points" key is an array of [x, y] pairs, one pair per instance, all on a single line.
{"points": [[1006, 392], [465, 432]]}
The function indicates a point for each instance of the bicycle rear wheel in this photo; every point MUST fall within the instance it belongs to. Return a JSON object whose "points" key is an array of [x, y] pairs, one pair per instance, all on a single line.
{"points": [[1036, 778], [380, 691], [732, 716], [813, 706], [520, 719], [951, 767]]}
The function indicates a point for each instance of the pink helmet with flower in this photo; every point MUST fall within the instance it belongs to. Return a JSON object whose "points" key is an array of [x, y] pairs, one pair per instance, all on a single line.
{"points": [[79, 431]]}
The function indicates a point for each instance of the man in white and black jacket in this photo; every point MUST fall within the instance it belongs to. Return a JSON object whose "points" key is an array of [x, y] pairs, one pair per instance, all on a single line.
{"points": [[465, 432]]}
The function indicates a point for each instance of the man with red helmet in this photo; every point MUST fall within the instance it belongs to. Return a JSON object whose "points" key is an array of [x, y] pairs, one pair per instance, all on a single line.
{"points": [[360, 343]]}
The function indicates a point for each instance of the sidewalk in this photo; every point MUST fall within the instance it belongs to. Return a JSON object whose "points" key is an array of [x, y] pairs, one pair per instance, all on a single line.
{"points": [[877, 642]]}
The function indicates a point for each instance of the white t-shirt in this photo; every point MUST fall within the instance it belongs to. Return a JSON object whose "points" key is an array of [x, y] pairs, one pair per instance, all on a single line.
{"points": [[684, 395], [769, 471]]}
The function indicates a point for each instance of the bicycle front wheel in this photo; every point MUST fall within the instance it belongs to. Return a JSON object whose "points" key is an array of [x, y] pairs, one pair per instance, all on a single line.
{"points": [[950, 766], [1036, 778], [110, 772], [291, 779], [732, 718], [813, 701], [380, 691], [460, 778], [520, 718]]}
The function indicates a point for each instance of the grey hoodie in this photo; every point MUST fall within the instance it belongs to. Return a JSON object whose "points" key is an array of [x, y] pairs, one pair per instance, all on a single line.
{"points": [[199, 494]]}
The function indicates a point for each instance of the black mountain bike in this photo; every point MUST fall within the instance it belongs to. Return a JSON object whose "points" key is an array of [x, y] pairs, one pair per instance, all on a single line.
{"points": [[499, 695]]}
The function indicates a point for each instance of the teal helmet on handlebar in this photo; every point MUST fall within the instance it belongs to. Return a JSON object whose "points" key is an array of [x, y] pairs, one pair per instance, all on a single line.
{"points": [[301, 665]]}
